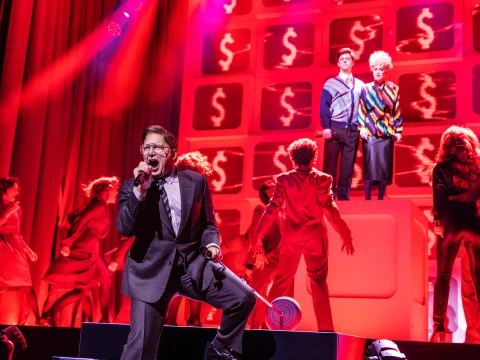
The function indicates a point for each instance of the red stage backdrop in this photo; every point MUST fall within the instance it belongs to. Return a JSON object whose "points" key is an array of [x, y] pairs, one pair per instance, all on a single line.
{"points": [[254, 71]]}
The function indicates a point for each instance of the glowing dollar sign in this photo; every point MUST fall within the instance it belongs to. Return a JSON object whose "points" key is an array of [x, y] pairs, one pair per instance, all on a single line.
{"points": [[229, 8], [276, 158], [225, 64], [217, 120], [426, 38], [424, 168], [286, 120], [288, 59], [429, 110], [218, 184], [357, 26]]}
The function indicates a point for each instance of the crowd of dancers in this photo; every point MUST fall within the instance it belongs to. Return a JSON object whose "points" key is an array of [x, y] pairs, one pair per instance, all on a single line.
{"points": [[288, 223]]}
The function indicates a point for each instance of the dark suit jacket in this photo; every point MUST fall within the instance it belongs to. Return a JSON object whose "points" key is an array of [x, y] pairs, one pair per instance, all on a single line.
{"points": [[151, 257]]}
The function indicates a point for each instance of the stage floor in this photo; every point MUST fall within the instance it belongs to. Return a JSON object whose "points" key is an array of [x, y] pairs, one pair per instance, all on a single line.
{"points": [[105, 341]]}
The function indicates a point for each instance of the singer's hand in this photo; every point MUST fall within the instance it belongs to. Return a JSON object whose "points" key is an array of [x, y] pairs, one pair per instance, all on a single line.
{"points": [[216, 253], [145, 168]]}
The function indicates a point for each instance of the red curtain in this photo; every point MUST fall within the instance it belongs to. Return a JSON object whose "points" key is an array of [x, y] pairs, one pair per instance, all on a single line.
{"points": [[74, 99]]}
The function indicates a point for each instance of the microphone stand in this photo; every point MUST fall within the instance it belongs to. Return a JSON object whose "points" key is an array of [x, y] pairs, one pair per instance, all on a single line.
{"points": [[207, 254]]}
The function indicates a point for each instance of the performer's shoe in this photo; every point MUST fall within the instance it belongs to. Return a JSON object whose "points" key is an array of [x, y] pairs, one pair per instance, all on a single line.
{"points": [[194, 322], [214, 353], [438, 334], [47, 321]]}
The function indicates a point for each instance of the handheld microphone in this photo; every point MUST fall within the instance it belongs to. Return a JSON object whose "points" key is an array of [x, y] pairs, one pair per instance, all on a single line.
{"points": [[140, 179]]}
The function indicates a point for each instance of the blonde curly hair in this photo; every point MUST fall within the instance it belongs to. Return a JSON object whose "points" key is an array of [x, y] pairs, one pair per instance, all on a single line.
{"points": [[95, 187], [194, 161], [380, 58], [453, 138]]}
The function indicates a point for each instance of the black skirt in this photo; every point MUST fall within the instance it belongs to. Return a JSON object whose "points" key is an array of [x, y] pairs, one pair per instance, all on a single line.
{"points": [[378, 159]]}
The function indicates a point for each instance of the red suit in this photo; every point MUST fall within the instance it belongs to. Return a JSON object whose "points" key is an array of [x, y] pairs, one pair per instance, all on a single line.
{"points": [[306, 196], [262, 279]]}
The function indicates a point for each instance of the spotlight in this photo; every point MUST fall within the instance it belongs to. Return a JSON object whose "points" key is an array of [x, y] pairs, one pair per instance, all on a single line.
{"points": [[12, 342], [114, 28], [384, 350]]}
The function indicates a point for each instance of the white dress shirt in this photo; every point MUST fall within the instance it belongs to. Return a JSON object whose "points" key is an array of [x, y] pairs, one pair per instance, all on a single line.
{"points": [[172, 188], [344, 77]]}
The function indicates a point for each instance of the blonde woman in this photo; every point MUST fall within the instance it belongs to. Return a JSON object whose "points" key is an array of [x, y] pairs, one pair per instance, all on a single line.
{"points": [[379, 121]]}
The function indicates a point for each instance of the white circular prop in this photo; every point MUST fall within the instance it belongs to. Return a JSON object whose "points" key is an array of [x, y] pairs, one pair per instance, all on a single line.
{"points": [[292, 314]]}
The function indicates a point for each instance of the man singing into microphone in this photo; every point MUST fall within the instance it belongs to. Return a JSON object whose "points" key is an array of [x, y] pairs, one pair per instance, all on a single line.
{"points": [[171, 215]]}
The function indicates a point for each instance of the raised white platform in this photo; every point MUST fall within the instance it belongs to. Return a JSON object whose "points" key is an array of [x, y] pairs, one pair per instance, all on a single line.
{"points": [[382, 290]]}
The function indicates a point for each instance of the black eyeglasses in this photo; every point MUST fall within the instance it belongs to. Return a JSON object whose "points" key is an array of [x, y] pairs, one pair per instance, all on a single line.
{"points": [[157, 149]]}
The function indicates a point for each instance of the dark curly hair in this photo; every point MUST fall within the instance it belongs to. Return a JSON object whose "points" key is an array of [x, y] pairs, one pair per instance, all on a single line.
{"points": [[303, 152], [7, 183]]}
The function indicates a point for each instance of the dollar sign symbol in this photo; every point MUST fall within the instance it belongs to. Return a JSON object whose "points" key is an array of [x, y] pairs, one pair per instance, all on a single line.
{"points": [[425, 39], [288, 59], [276, 158], [424, 169], [286, 120], [217, 120], [218, 184], [428, 110], [229, 8], [357, 26], [225, 64]]}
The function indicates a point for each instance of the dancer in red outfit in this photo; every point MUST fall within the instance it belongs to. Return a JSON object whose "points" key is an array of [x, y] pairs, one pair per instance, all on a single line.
{"points": [[14, 252], [79, 267], [265, 264], [456, 200], [306, 196], [469, 302]]}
